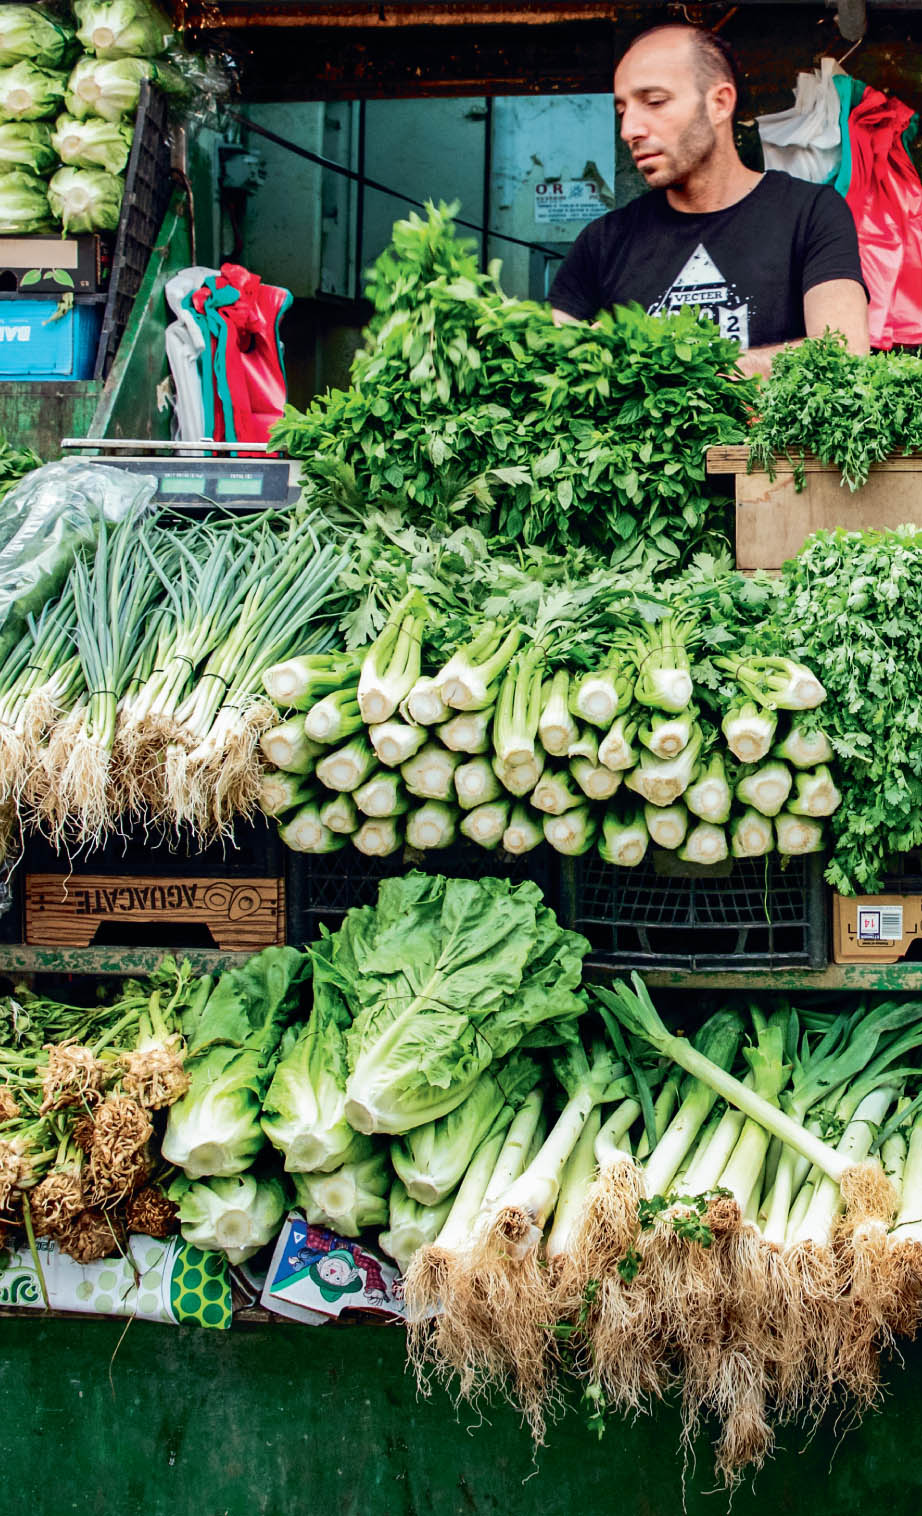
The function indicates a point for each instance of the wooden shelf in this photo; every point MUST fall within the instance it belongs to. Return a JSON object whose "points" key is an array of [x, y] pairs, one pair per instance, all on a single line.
{"points": [[733, 458], [19, 958], [896, 978], [900, 978]]}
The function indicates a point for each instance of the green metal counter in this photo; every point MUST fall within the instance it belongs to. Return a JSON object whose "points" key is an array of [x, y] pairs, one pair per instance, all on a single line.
{"points": [[290, 1420]]}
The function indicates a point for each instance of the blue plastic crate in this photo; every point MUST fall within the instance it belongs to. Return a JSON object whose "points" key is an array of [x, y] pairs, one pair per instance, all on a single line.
{"points": [[34, 346]]}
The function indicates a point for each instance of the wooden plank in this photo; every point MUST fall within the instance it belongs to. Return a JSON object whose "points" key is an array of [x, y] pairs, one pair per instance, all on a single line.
{"points": [[68, 910], [773, 518], [735, 460]]}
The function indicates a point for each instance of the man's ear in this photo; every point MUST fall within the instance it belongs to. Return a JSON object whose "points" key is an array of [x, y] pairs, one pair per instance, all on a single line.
{"points": [[721, 100]]}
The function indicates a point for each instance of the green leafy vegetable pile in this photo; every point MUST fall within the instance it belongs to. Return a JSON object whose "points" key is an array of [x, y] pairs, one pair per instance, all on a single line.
{"points": [[851, 603], [473, 407], [844, 409]]}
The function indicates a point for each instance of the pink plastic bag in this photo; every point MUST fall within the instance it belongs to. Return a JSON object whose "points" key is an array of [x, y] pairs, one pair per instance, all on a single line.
{"points": [[885, 198]]}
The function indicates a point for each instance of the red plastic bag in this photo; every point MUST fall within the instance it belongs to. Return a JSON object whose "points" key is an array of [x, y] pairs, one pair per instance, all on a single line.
{"points": [[254, 367], [885, 198]]}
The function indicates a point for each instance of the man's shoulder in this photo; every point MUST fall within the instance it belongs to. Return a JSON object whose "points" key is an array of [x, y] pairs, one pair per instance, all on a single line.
{"points": [[617, 224], [797, 194]]}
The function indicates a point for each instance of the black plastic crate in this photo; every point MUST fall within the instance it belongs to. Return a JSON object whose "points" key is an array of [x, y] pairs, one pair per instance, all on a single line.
{"points": [[322, 887], [148, 186], [255, 852], [761, 913], [11, 906]]}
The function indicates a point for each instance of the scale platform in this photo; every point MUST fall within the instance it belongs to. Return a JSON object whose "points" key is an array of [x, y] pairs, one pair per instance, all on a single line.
{"points": [[188, 474]]}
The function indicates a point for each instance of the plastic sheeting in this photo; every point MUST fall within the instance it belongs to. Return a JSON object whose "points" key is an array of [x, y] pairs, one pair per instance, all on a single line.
{"points": [[46, 519]]}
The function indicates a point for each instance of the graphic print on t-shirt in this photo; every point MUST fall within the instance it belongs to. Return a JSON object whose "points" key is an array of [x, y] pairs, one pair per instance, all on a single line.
{"points": [[700, 283]]}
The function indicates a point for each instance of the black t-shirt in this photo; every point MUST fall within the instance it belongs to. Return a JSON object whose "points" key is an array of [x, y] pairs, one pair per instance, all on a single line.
{"points": [[747, 267]]}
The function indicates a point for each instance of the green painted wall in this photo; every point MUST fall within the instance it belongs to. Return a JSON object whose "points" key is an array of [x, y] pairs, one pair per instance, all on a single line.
{"points": [[289, 1420], [38, 413]]}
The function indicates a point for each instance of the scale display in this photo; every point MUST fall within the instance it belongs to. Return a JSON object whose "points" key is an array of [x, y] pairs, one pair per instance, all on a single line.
{"points": [[203, 482]]}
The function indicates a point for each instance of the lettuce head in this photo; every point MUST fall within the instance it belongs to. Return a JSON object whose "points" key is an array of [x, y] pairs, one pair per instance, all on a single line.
{"points": [[24, 204], [441, 977], [27, 32], [27, 145], [235, 1216], [111, 88], [30, 93], [92, 143], [86, 199], [122, 28]]}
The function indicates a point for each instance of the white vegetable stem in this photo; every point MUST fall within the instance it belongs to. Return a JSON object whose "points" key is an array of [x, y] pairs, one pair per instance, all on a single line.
{"points": [[854, 1146], [908, 1227], [516, 1149], [535, 1192], [395, 742], [456, 1234], [577, 1176]]}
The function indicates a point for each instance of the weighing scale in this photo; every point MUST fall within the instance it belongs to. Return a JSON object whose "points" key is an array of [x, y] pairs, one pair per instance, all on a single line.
{"points": [[189, 475]]}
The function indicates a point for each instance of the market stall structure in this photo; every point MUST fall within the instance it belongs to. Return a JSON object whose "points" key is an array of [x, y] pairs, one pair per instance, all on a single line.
{"points": [[722, 620]]}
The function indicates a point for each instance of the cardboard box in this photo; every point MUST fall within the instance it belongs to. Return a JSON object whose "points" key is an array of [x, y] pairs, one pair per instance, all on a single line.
{"points": [[773, 518], [874, 928], [54, 265]]}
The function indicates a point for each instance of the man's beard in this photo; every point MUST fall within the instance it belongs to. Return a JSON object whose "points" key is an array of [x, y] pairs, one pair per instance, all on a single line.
{"points": [[693, 149]]}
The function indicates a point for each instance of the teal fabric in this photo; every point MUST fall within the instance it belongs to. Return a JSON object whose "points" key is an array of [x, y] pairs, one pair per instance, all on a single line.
{"points": [[214, 363], [850, 92]]}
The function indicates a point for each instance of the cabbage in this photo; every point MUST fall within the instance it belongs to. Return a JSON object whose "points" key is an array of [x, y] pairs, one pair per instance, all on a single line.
{"points": [[232, 1216], [93, 143], [86, 199], [29, 93], [27, 32], [111, 89], [121, 28], [27, 145], [23, 204]]}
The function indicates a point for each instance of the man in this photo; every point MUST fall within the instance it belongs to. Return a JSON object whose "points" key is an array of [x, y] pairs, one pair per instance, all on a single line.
{"points": [[770, 258]]}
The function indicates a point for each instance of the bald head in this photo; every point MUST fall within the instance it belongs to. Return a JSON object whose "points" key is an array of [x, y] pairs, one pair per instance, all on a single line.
{"points": [[709, 58]]}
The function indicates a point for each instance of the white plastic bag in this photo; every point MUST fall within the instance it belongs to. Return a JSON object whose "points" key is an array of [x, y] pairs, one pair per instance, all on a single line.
{"points": [[806, 140]]}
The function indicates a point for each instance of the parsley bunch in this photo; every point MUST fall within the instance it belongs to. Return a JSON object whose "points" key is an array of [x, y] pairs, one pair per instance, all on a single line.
{"points": [[845, 410]]}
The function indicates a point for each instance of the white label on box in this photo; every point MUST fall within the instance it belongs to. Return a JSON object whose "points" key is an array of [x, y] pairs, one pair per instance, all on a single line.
{"points": [[559, 200], [882, 923]]}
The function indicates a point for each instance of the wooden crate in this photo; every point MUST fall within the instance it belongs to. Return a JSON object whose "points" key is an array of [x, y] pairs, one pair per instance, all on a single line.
{"points": [[773, 519], [238, 914], [874, 928]]}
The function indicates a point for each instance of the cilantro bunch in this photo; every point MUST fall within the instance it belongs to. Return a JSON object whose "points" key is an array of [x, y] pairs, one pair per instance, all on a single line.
{"points": [[851, 606]]}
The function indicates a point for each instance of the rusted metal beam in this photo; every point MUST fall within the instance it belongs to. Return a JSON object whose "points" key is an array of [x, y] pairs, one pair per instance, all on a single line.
{"points": [[204, 15]]}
